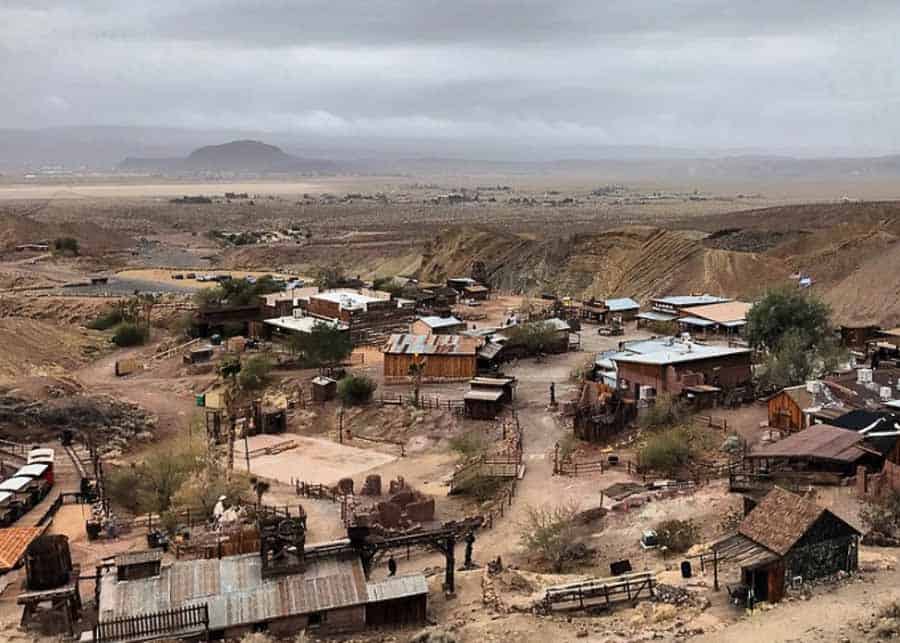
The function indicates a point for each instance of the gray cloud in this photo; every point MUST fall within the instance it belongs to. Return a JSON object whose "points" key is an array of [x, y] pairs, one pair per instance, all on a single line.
{"points": [[781, 76]]}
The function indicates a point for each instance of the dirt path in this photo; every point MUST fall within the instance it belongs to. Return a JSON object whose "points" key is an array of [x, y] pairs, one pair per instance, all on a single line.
{"points": [[167, 398]]}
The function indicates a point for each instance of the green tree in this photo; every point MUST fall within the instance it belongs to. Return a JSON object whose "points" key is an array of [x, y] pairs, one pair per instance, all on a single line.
{"points": [[533, 336], [666, 451], [150, 485], [255, 373], [66, 246], [129, 334], [783, 311], [236, 292], [325, 345], [550, 533], [330, 277], [356, 389]]}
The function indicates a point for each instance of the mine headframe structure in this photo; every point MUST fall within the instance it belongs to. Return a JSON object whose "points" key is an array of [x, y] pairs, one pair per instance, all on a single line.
{"points": [[372, 547], [282, 541]]}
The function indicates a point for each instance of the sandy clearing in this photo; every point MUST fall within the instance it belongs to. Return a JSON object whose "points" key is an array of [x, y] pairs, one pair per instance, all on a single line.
{"points": [[314, 460], [55, 191]]}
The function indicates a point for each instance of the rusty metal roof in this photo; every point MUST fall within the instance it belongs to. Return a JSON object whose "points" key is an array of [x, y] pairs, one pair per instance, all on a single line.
{"points": [[818, 442], [13, 543], [397, 587], [235, 590], [138, 557], [404, 344]]}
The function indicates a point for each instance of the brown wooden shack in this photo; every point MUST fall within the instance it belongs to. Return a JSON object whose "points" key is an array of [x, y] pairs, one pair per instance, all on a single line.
{"points": [[786, 536], [447, 357]]}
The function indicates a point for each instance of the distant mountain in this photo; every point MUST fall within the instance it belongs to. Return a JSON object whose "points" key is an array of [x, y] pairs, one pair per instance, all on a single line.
{"points": [[243, 156]]}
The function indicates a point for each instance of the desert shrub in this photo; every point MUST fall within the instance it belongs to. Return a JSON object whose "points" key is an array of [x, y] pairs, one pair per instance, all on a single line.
{"points": [[150, 485], [66, 246], [567, 445], [666, 411], [255, 373], [468, 445], [882, 515], [533, 336], [549, 533], [202, 489], [677, 535], [129, 334], [666, 451], [484, 488], [107, 320], [356, 389]]}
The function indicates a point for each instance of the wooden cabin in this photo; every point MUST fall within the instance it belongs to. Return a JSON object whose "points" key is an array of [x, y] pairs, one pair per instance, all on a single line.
{"points": [[785, 536], [446, 357]]}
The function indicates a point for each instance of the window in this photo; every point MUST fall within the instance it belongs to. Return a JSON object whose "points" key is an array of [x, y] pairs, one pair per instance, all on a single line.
{"points": [[315, 620]]}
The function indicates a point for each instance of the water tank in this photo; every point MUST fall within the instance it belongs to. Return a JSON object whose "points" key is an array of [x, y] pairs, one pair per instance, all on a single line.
{"points": [[48, 563]]}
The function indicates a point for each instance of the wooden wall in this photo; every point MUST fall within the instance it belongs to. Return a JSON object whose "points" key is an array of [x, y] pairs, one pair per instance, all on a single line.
{"points": [[438, 366], [784, 413]]}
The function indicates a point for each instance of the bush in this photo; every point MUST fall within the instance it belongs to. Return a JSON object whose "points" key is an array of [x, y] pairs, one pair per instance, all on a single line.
{"points": [[356, 389], [666, 411], [129, 334], [533, 336], [107, 320], [549, 533], [882, 515], [150, 486], [677, 535], [255, 373], [469, 445], [66, 246], [666, 451]]}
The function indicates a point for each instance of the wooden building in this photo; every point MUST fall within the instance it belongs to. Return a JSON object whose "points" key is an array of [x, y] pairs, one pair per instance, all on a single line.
{"points": [[728, 318], [487, 396], [328, 595], [447, 357], [624, 307], [787, 536], [795, 408], [323, 388], [434, 325], [819, 454]]}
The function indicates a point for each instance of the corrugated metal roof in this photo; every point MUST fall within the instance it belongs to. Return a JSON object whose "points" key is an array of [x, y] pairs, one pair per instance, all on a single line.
{"points": [[696, 321], [819, 442], [652, 315], [621, 303], [405, 344], [138, 557], [397, 587], [691, 300], [235, 591], [440, 322]]}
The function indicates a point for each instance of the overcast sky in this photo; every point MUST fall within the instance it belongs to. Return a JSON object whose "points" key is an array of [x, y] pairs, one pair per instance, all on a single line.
{"points": [[797, 76]]}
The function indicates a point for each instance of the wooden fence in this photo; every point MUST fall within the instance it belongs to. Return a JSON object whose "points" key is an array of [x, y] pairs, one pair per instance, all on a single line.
{"points": [[434, 402], [709, 420], [314, 490], [173, 623], [600, 592]]}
